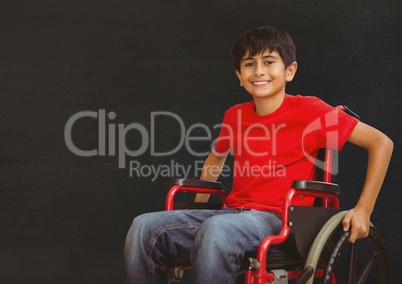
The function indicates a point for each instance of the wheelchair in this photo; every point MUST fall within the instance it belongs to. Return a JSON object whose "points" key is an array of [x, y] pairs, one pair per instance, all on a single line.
{"points": [[311, 247]]}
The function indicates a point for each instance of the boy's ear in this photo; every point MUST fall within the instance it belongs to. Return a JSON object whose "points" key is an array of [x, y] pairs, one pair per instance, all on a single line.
{"points": [[239, 76], [291, 71]]}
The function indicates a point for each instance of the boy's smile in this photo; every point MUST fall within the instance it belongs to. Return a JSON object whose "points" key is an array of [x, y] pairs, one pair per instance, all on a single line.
{"points": [[264, 76], [261, 83]]}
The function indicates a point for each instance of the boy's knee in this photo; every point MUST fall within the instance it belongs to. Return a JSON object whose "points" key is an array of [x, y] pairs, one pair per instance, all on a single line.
{"points": [[141, 225], [140, 221], [214, 228]]}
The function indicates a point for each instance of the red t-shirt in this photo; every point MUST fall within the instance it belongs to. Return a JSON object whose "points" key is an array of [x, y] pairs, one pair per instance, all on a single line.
{"points": [[272, 151]]}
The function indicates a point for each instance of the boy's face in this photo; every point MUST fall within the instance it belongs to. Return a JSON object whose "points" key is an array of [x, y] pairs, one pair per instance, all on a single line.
{"points": [[264, 75]]}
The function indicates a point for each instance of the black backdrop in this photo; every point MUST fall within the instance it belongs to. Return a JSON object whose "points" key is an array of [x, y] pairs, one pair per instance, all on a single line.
{"points": [[64, 217]]}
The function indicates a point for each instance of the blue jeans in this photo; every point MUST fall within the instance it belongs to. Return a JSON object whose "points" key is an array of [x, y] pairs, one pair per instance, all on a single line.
{"points": [[215, 241]]}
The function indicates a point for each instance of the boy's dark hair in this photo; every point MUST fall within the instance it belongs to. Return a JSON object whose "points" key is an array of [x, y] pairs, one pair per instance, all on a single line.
{"points": [[264, 38]]}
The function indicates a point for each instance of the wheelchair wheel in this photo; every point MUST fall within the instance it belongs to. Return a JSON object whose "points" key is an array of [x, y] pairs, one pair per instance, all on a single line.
{"points": [[366, 261]]}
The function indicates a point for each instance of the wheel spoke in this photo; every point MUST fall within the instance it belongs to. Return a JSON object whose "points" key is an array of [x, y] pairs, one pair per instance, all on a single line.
{"points": [[367, 268], [352, 263]]}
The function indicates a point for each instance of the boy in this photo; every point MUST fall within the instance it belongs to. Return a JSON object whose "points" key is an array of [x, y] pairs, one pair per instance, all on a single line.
{"points": [[273, 139]]}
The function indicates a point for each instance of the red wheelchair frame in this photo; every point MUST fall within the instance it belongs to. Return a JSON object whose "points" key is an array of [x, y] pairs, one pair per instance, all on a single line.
{"points": [[325, 190]]}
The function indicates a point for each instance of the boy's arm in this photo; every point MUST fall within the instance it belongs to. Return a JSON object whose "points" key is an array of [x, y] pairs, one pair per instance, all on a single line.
{"points": [[210, 171], [379, 148]]}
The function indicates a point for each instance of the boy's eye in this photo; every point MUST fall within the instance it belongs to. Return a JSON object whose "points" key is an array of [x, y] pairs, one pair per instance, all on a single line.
{"points": [[269, 62], [248, 64]]}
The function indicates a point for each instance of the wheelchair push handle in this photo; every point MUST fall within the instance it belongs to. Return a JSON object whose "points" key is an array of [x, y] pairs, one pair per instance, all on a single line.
{"points": [[350, 112]]}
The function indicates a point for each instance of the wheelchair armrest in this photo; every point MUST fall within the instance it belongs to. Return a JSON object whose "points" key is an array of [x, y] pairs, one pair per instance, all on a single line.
{"points": [[316, 186], [193, 185], [196, 183]]}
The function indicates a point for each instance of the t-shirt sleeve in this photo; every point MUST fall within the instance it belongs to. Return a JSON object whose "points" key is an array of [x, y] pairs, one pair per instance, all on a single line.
{"points": [[335, 127], [223, 142], [347, 124]]}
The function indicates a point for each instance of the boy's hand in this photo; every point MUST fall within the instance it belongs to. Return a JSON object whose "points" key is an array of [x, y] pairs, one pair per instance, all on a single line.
{"points": [[359, 222]]}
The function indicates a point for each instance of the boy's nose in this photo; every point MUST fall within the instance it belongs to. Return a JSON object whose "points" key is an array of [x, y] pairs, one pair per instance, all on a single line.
{"points": [[259, 70]]}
